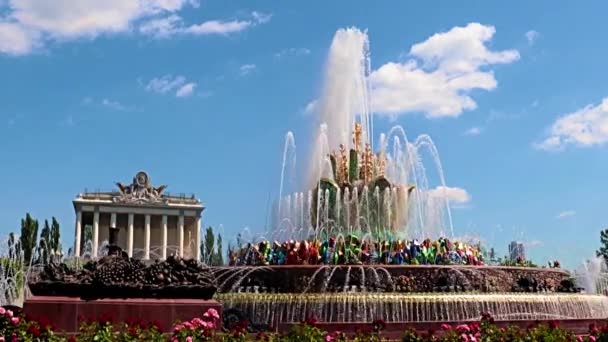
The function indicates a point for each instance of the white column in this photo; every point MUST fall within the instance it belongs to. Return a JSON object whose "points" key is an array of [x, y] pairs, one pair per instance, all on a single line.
{"points": [[197, 236], [130, 236], [164, 238], [95, 244], [113, 220], [78, 234], [180, 235], [147, 239]]}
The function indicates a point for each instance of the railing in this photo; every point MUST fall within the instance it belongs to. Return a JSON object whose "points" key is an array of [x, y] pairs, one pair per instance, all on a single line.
{"points": [[99, 192]]}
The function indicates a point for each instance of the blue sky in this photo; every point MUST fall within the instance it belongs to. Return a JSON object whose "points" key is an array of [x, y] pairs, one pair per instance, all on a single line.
{"points": [[201, 93]]}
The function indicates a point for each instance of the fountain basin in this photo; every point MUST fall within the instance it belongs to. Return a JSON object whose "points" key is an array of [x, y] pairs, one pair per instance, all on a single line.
{"points": [[348, 307], [390, 278]]}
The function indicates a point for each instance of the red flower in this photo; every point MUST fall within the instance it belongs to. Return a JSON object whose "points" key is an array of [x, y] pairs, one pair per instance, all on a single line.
{"points": [[106, 319], [33, 330], [72, 339], [133, 331], [44, 322], [553, 324], [156, 325], [311, 320]]}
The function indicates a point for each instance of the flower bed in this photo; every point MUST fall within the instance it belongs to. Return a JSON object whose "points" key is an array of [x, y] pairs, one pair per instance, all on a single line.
{"points": [[207, 329]]}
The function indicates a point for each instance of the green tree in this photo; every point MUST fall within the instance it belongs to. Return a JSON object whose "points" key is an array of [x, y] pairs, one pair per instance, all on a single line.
{"points": [[219, 256], [29, 237], [207, 246], [55, 244], [603, 251], [87, 234], [44, 247], [14, 247]]}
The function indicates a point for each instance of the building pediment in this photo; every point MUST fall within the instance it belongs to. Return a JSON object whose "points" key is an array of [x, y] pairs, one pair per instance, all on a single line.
{"points": [[140, 191]]}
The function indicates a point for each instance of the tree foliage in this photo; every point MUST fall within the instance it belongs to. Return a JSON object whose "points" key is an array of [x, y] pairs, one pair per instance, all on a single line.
{"points": [[55, 243], [43, 245], [211, 248], [219, 256], [603, 251], [29, 237]]}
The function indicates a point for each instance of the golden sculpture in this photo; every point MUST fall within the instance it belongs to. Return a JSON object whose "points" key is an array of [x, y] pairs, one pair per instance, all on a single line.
{"points": [[381, 162], [357, 136], [366, 173], [343, 166]]}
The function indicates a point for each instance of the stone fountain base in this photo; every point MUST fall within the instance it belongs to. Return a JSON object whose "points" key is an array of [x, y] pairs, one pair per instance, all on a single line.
{"points": [[64, 312], [274, 309]]}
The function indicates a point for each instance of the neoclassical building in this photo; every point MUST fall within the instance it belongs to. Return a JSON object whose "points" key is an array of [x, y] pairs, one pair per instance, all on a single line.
{"points": [[151, 223]]}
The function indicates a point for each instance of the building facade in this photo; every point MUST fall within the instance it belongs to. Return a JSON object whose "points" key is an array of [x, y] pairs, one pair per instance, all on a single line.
{"points": [[151, 223], [516, 250]]}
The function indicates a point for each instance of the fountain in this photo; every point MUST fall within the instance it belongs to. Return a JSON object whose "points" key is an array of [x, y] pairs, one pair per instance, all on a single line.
{"points": [[344, 251]]}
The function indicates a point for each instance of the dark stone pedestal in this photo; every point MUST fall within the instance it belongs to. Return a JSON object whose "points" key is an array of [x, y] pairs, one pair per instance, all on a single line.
{"points": [[64, 312]]}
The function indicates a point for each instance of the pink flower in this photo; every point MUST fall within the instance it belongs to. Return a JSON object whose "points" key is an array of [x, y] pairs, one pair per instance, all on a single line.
{"points": [[212, 313], [178, 327], [329, 338], [445, 326], [9, 313], [463, 328], [15, 320], [591, 338], [188, 325], [197, 322], [189, 339], [1, 338], [2, 310], [579, 338], [464, 338]]}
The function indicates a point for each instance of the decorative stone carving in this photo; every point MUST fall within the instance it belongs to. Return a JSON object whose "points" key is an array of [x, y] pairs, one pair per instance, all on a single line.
{"points": [[140, 191]]}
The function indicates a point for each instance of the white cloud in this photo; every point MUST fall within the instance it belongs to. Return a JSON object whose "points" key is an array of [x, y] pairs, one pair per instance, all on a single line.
{"points": [[454, 194], [473, 131], [218, 27], [165, 83], [292, 52], [565, 214], [114, 105], [311, 107], [227, 27], [586, 127], [186, 90], [261, 18], [29, 24], [161, 27], [532, 36], [170, 83], [247, 69], [16, 40], [441, 73], [108, 103]]}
